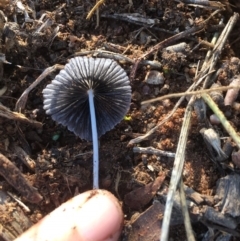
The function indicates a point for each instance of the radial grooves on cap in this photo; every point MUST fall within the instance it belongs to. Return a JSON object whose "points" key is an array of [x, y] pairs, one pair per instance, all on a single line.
{"points": [[66, 98]]}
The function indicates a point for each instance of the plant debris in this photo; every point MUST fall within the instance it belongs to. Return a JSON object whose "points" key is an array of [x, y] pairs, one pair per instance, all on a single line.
{"points": [[182, 59]]}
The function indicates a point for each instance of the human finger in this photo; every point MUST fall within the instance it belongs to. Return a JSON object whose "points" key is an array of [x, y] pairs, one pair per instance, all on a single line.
{"points": [[95, 215]]}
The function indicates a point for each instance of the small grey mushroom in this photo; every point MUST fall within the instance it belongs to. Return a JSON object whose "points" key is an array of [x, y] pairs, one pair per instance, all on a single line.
{"points": [[89, 96], [66, 98]]}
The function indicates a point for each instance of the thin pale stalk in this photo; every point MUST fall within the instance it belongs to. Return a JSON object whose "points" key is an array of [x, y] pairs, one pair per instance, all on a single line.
{"points": [[94, 140]]}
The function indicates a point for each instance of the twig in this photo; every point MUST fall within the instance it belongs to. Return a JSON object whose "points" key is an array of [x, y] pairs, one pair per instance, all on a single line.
{"points": [[209, 53], [126, 19], [197, 92], [153, 151], [21, 204], [176, 172], [95, 8], [21, 103], [118, 57], [186, 217], [5, 112], [203, 4], [216, 52], [25, 158]]}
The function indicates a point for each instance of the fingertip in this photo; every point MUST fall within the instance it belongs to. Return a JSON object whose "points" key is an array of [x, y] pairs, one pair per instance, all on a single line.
{"points": [[95, 215], [103, 218]]}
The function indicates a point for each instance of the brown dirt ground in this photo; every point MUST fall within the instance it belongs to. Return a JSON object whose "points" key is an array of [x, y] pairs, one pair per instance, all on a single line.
{"points": [[61, 171]]}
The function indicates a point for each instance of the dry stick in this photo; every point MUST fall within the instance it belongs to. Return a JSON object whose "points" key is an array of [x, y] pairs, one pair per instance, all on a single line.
{"points": [[222, 118], [209, 53], [97, 13], [118, 57], [21, 103], [96, 7], [176, 172], [21, 204], [153, 151], [5, 112], [211, 5], [120, 17], [105, 54], [186, 217], [197, 92], [216, 52]]}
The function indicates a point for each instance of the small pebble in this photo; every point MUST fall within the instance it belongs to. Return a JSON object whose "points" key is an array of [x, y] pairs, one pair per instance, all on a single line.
{"points": [[236, 158], [232, 94], [154, 77], [214, 120], [136, 96], [146, 90]]}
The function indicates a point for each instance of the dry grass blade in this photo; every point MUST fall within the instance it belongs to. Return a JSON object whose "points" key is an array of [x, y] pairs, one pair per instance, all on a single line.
{"points": [[216, 52], [222, 118], [176, 172], [197, 92], [186, 217]]}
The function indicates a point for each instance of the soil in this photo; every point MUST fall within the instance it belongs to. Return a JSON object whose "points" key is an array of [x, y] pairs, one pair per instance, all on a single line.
{"points": [[64, 161]]}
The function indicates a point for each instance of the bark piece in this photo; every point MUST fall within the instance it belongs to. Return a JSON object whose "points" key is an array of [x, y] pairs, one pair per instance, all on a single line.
{"points": [[139, 197], [15, 178], [228, 192], [13, 221]]}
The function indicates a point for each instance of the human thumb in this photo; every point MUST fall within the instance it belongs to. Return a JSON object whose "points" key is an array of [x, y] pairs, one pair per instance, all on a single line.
{"points": [[95, 215]]}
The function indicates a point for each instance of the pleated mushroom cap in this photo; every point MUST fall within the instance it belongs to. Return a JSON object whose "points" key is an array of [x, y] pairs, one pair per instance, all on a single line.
{"points": [[66, 98]]}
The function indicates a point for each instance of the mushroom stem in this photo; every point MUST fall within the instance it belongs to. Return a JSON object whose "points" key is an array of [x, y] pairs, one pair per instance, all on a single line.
{"points": [[94, 140]]}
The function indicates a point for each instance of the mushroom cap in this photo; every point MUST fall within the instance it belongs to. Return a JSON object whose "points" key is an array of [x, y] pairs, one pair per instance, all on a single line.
{"points": [[66, 98]]}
